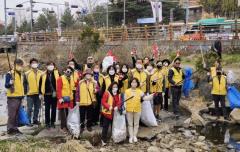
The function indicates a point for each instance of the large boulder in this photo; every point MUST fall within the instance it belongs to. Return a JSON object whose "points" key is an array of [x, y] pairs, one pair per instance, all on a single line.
{"points": [[235, 115]]}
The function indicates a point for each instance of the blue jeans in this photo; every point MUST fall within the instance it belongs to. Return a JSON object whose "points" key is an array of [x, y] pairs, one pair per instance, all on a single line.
{"points": [[33, 101]]}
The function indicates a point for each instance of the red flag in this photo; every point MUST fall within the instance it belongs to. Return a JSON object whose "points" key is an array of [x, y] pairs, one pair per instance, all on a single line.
{"points": [[70, 55], [155, 50]]}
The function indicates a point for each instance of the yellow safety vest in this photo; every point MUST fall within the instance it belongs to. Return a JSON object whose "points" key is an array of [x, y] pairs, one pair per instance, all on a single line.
{"points": [[33, 81], [213, 71], [158, 76], [108, 82], [100, 80], [125, 86], [134, 104], [44, 77], [18, 86], [142, 77], [86, 93], [165, 74], [177, 76], [66, 88], [74, 79], [110, 103], [219, 88]]}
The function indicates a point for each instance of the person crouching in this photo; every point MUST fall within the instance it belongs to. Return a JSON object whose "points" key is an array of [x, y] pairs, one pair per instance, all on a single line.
{"points": [[110, 101]]}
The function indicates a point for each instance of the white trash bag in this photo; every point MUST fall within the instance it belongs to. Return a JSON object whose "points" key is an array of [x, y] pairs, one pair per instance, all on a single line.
{"points": [[73, 121], [231, 77], [147, 115], [119, 129]]}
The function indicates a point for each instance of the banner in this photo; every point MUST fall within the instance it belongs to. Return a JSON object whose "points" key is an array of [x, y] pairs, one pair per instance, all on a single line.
{"points": [[155, 50], [157, 10]]}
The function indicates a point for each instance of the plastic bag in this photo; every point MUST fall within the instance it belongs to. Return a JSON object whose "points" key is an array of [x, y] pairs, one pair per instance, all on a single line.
{"points": [[23, 117], [188, 83], [119, 131], [73, 121], [231, 78], [147, 115], [233, 96]]}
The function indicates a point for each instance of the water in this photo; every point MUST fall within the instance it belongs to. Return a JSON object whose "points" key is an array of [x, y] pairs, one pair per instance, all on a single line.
{"points": [[220, 133]]}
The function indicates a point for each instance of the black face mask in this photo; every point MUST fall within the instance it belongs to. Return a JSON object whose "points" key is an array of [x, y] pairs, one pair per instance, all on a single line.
{"points": [[219, 73], [89, 65]]}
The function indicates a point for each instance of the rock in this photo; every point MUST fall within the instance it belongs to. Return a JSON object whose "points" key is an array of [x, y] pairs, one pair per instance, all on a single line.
{"points": [[88, 145], [122, 149], [187, 133], [179, 150], [153, 143], [103, 150], [171, 143], [198, 120], [201, 138], [235, 115], [29, 130], [52, 133], [153, 149], [229, 146]]}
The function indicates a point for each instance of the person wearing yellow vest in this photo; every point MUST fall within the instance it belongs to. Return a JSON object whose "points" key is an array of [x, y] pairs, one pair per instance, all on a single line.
{"points": [[141, 75], [165, 70], [47, 88], [110, 102], [219, 91], [156, 87], [212, 71], [90, 63], [99, 78], [176, 77], [86, 97], [75, 77], [64, 97], [133, 98], [124, 78], [15, 94], [110, 78], [31, 85]]}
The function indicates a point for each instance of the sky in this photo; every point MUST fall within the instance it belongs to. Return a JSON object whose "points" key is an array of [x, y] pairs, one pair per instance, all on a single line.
{"points": [[24, 14]]}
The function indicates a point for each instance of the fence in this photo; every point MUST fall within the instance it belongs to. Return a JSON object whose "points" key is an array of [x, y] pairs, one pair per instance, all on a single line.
{"points": [[170, 32]]}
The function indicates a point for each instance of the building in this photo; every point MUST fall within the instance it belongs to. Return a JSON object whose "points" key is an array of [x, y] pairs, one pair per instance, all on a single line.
{"points": [[195, 9]]}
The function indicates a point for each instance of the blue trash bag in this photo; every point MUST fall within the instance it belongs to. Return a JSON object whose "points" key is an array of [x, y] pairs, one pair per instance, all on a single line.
{"points": [[233, 96], [188, 84], [23, 117]]}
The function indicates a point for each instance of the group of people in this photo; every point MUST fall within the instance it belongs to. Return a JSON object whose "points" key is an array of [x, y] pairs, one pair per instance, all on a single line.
{"points": [[98, 94]]}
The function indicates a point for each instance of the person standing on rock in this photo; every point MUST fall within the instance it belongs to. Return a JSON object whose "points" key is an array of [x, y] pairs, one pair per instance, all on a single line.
{"points": [[133, 97], [110, 101], [156, 87], [15, 94], [165, 70], [47, 88], [219, 91], [86, 97], [176, 77], [64, 96], [31, 86]]}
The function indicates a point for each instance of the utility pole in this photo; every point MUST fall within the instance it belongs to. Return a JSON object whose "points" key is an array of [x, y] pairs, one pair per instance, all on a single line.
{"points": [[107, 19], [124, 12], [171, 14], [5, 12], [31, 9], [187, 12]]}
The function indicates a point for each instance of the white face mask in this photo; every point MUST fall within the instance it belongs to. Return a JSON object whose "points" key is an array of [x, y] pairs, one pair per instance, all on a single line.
{"points": [[124, 70], [111, 72], [50, 68], [34, 65], [165, 64], [139, 66], [114, 91], [88, 76], [96, 70], [149, 68]]}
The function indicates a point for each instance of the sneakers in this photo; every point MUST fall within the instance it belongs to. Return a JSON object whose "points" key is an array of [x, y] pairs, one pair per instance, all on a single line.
{"points": [[103, 143], [130, 140], [135, 139], [36, 122], [14, 132]]}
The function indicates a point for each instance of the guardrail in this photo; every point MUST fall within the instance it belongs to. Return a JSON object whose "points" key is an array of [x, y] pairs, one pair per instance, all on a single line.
{"points": [[160, 32]]}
